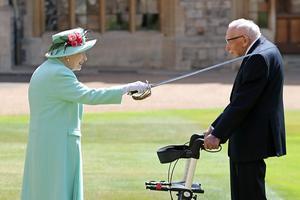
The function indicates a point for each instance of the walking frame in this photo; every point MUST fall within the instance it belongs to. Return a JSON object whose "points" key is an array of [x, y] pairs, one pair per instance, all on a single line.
{"points": [[185, 189]]}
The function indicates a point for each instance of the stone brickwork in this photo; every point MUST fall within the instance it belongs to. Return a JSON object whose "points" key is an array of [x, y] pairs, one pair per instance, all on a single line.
{"points": [[6, 38], [198, 41], [206, 23], [3, 3], [192, 37], [295, 6]]}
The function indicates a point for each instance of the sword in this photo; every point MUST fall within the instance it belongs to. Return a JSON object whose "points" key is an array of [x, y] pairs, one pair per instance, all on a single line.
{"points": [[139, 96]]}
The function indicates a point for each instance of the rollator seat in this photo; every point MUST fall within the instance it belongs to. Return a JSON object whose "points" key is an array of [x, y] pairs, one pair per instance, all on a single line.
{"points": [[170, 153]]}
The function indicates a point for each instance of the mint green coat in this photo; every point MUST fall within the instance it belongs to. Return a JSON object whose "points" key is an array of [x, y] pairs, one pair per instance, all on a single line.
{"points": [[53, 165]]}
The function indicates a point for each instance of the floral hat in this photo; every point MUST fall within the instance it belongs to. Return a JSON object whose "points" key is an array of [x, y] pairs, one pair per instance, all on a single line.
{"points": [[69, 42]]}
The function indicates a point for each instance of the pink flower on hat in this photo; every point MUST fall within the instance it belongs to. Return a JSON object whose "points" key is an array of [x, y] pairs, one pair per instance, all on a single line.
{"points": [[78, 38], [74, 39]]}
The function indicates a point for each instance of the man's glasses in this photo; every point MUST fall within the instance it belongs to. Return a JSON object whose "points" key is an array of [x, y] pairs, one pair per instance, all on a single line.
{"points": [[233, 38]]}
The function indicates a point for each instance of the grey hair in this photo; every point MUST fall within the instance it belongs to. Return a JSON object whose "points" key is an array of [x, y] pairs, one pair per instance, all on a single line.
{"points": [[246, 26]]}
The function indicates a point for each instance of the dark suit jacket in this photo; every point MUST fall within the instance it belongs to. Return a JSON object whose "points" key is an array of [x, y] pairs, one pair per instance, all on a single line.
{"points": [[254, 119]]}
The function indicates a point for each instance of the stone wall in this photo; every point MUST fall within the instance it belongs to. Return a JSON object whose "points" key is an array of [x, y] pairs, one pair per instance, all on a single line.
{"points": [[198, 41], [124, 50], [206, 23], [3, 3], [113, 50], [193, 37], [295, 6], [6, 37]]}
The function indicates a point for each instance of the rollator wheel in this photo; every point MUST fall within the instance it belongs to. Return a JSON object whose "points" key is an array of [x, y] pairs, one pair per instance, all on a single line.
{"points": [[187, 194]]}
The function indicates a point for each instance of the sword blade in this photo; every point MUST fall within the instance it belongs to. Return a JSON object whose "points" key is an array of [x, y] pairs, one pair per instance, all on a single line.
{"points": [[205, 69]]}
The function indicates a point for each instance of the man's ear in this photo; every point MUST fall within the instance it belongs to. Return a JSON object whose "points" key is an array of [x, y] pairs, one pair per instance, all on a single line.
{"points": [[246, 41]]}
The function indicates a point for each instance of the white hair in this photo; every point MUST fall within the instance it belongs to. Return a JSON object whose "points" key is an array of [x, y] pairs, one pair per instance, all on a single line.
{"points": [[246, 26]]}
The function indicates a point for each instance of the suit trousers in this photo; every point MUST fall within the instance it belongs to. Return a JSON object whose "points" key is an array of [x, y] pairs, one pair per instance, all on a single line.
{"points": [[247, 180]]}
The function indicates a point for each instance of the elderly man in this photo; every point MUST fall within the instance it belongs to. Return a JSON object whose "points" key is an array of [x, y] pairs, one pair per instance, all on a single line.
{"points": [[253, 121]]}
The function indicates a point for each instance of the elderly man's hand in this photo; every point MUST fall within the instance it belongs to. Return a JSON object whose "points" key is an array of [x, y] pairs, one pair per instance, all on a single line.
{"points": [[208, 131], [211, 142]]}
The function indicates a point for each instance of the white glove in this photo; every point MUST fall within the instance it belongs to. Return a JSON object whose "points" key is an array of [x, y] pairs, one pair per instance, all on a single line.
{"points": [[138, 86]]}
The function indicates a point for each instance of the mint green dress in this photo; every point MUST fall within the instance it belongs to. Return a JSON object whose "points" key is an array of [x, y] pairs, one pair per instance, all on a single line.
{"points": [[53, 164]]}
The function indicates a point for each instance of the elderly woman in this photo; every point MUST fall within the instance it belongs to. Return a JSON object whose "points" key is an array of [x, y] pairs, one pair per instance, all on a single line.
{"points": [[53, 165]]}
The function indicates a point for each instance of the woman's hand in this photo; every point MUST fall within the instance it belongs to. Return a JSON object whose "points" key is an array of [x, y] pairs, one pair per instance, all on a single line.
{"points": [[138, 87]]}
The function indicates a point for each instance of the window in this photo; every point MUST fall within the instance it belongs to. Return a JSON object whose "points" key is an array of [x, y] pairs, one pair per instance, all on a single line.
{"points": [[263, 14], [147, 15], [51, 15], [99, 15], [117, 15], [260, 12]]}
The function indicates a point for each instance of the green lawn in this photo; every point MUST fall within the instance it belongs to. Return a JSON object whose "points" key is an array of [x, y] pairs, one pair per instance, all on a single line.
{"points": [[119, 152]]}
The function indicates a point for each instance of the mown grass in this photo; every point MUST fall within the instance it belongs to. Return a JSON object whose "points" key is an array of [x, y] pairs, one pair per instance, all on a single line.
{"points": [[119, 152]]}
